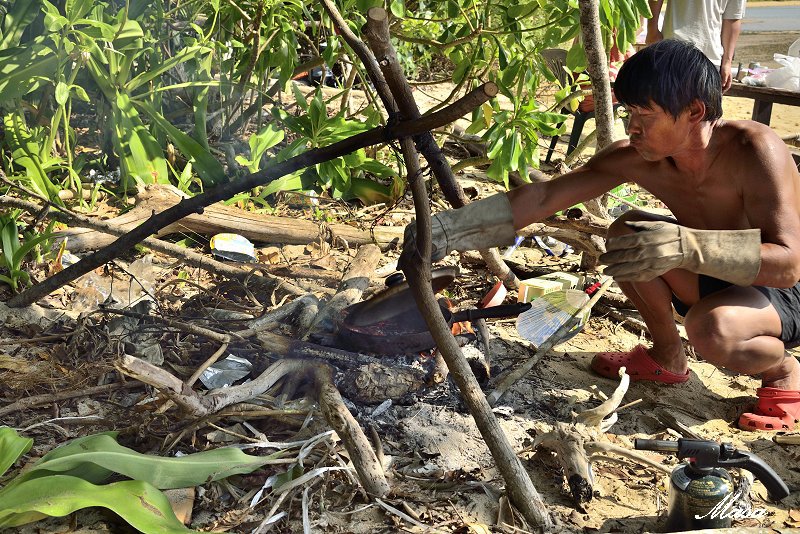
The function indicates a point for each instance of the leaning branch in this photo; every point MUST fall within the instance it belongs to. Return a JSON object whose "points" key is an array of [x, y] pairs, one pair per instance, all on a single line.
{"points": [[381, 134]]}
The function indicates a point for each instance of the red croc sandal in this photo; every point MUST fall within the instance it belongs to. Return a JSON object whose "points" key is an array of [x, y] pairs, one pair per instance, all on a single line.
{"points": [[776, 409], [638, 364]]}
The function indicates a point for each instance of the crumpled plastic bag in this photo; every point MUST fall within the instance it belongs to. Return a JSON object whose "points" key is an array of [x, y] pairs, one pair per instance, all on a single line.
{"points": [[788, 76]]}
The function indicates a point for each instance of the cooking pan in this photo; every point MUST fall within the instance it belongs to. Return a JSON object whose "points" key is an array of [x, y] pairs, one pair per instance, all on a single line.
{"points": [[390, 322]]}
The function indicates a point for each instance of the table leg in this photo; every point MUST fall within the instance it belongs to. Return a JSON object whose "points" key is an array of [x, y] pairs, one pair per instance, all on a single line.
{"points": [[762, 111]]}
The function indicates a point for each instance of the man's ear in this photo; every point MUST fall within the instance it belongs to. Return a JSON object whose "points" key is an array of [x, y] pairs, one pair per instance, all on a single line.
{"points": [[697, 111]]}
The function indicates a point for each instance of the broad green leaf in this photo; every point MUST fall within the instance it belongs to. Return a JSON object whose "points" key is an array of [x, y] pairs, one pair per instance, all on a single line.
{"points": [[369, 191], [461, 70], [576, 58], [377, 168], [25, 69], [103, 451], [643, 7], [515, 151], [131, 36], [21, 14], [140, 504], [9, 237], [136, 8], [80, 92], [53, 20], [141, 157], [12, 447], [200, 104], [29, 153], [20, 254], [76, 9], [208, 168], [515, 11], [291, 182], [299, 97]]}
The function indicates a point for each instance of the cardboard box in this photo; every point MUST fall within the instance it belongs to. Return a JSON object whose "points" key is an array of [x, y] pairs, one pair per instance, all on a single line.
{"points": [[568, 280], [536, 287]]}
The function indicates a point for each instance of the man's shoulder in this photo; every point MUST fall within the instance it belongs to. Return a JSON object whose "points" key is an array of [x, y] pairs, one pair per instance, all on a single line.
{"points": [[747, 133], [748, 142]]}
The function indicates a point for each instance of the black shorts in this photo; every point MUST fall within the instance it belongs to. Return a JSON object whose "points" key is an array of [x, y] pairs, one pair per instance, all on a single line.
{"points": [[785, 301]]}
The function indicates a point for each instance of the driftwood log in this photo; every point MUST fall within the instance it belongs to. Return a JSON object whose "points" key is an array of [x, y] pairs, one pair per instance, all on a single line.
{"points": [[575, 442], [218, 218], [109, 229]]}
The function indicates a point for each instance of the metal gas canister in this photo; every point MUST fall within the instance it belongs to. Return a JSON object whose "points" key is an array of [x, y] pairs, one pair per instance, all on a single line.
{"points": [[695, 495]]}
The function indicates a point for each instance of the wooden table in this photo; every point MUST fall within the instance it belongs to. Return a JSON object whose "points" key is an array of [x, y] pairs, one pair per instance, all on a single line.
{"points": [[763, 98]]}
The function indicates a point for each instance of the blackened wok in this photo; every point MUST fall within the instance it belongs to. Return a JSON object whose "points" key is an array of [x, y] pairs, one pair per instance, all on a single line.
{"points": [[390, 322]]}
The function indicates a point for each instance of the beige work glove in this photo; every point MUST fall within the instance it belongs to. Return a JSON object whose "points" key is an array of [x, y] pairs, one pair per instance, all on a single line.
{"points": [[658, 247], [479, 225]]}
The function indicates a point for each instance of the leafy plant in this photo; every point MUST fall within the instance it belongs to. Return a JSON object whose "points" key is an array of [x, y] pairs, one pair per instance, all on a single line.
{"points": [[348, 176], [71, 477], [14, 253]]}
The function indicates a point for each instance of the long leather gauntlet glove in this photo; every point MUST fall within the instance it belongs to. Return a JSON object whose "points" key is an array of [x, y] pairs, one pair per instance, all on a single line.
{"points": [[479, 225], [658, 247]]}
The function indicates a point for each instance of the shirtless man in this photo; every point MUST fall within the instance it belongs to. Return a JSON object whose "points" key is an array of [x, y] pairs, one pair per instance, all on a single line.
{"points": [[729, 260]]}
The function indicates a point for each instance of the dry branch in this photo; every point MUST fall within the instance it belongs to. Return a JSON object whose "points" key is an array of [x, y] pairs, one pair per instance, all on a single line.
{"points": [[571, 441], [518, 483], [376, 31], [381, 134], [355, 281], [361, 454], [190, 257]]}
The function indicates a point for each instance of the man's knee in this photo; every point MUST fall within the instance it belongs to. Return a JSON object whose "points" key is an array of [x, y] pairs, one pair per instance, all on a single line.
{"points": [[710, 333]]}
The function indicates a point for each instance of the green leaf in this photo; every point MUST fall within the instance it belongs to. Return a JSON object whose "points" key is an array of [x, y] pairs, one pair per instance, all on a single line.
{"points": [[20, 254], [290, 182], [76, 9], [208, 168], [398, 8], [576, 58], [12, 447], [138, 503], [53, 20], [184, 55], [101, 452], [515, 151], [131, 36], [80, 92], [23, 70], [643, 8], [62, 93], [299, 97], [141, 157], [27, 148], [16, 20], [461, 70]]}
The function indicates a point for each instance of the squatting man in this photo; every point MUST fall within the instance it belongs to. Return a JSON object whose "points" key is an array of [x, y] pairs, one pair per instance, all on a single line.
{"points": [[729, 260]]}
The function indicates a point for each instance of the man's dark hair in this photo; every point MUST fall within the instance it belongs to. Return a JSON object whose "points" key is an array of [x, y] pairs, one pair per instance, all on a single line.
{"points": [[670, 73]]}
